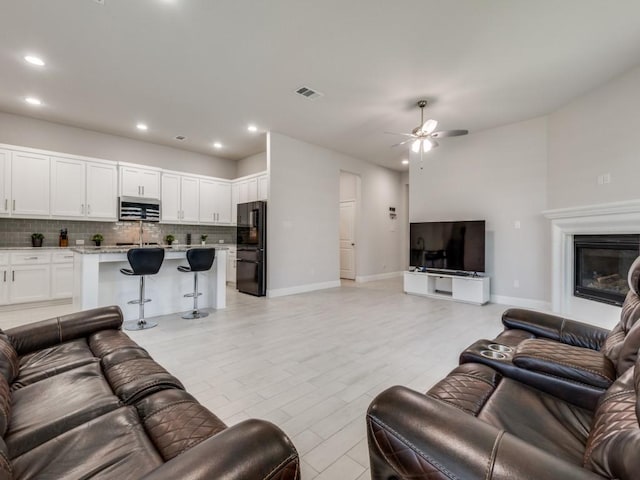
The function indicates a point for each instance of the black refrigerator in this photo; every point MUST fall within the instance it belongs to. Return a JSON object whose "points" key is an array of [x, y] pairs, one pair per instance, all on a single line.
{"points": [[251, 239]]}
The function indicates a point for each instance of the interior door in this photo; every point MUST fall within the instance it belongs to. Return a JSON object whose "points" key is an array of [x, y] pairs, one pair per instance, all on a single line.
{"points": [[347, 240]]}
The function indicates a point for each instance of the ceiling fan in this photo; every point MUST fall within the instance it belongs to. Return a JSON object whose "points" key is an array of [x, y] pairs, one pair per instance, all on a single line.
{"points": [[423, 138]]}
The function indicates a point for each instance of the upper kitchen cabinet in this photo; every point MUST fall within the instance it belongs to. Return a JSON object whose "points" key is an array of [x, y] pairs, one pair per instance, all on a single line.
{"points": [[263, 187], [84, 190], [137, 181], [29, 184], [5, 182], [215, 202], [180, 198]]}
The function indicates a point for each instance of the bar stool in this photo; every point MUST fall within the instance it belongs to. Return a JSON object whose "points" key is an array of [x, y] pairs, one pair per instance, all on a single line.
{"points": [[200, 260], [143, 261]]}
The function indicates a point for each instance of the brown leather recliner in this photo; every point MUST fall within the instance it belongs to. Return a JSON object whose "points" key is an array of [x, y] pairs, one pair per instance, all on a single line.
{"points": [[479, 424], [564, 357]]}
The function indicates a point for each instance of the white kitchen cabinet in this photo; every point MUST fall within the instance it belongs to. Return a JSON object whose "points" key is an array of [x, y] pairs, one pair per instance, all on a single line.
{"points": [[29, 283], [68, 187], [235, 197], [252, 190], [171, 210], [190, 199], [30, 184], [102, 191], [61, 280], [139, 182], [5, 182], [83, 190], [263, 187], [243, 191], [215, 202], [5, 277]]}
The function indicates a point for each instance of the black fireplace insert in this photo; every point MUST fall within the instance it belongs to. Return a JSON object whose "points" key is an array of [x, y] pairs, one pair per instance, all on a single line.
{"points": [[602, 264]]}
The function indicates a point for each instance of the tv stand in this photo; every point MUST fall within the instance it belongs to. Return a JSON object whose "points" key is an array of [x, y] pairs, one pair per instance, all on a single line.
{"points": [[467, 288]]}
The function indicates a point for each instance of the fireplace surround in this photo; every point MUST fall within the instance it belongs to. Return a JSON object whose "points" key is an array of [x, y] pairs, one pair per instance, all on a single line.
{"points": [[618, 218]]}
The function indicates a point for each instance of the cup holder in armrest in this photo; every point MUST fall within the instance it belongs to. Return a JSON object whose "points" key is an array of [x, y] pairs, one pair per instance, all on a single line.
{"points": [[493, 354], [496, 347]]}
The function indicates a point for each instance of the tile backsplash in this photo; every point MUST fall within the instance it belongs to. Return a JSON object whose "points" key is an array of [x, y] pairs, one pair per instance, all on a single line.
{"points": [[17, 232]]}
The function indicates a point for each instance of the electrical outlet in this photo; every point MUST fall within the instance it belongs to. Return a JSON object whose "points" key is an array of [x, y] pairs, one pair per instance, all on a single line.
{"points": [[606, 178], [79, 242], [516, 284], [220, 241]]}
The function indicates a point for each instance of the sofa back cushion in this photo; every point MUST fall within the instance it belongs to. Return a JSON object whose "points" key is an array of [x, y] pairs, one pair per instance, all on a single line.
{"points": [[614, 440], [623, 342], [9, 363]]}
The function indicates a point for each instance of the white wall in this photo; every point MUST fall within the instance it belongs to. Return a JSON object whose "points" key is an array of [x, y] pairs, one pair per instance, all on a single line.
{"points": [[303, 231], [498, 175], [30, 132], [593, 135], [253, 164]]}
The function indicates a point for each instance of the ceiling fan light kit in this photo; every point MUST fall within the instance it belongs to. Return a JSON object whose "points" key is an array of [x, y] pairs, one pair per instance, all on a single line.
{"points": [[422, 138]]}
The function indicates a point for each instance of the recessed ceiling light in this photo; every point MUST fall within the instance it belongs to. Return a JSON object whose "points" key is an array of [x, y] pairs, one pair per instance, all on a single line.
{"points": [[252, 128], [33, 101], [217, 145], [34, 60], [405, 162], [142, 126]]}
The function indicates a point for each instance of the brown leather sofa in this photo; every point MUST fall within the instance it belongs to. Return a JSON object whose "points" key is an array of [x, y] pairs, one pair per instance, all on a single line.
{"points": [[79, 399], [549, 398]]}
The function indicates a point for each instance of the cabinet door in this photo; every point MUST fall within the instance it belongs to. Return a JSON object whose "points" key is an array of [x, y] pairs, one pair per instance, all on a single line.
{"points": [[5, 182], [190, 200], [150, 183], [102, 191], [243, 192], [29, 184], [170, 198], [130, 182], [29, 283], [235, 197], [252, 190], [223, 203], [67, 187], [4, 285], [263, 187], [207, 201], [62, 280]]}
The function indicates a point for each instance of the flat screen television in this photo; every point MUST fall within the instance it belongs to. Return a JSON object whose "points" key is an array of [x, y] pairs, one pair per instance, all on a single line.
{"points": [[457, 246]]}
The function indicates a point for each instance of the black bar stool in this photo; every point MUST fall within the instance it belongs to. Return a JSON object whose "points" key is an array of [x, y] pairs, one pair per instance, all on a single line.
{"points": [[200, 260], [143, 261]]}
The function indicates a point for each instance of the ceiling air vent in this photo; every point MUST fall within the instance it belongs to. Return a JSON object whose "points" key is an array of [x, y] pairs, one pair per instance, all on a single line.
{"points": [[309, 93], [180, 137]]}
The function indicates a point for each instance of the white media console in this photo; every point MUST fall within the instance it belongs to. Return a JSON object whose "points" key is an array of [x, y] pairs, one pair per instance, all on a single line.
{"points": [[468, 289]]}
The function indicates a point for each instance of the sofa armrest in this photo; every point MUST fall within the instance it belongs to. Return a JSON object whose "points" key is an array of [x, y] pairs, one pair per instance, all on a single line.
{"points": [[556, 328], [250, 450], [414, 436], [46, 333]]}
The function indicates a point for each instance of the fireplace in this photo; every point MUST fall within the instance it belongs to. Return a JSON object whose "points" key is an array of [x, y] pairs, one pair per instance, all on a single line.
{"points": [[602, 263]]}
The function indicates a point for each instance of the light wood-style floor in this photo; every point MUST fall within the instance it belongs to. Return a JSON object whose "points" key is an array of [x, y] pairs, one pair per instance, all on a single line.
{"points": [[311, 363]]}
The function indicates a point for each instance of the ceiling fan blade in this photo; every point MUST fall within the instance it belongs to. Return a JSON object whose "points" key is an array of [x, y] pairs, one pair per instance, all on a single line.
{"points": [[429, 126], [402, 143], [402, 134], [449, 133]]}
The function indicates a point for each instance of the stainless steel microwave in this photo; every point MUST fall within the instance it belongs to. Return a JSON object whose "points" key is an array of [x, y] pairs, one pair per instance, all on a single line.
{"points": [[136, 209]]}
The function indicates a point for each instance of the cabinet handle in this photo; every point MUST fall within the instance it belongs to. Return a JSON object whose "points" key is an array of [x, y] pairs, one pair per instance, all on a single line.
{"points": [[82, 208], [14, 205], [88, 209], [13, 275], [30, 258], [6, 207], [5, 276], [143, 190], [68, 256]]}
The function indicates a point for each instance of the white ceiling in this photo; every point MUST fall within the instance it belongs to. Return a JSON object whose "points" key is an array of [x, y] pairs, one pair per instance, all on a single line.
{"points": [[207, 68]]}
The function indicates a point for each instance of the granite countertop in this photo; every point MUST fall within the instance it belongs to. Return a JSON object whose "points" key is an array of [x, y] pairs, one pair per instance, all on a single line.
{"points": [[35, 248], [126, 248]]}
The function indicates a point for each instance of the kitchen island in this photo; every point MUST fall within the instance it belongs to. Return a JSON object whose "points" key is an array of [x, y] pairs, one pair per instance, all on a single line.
{"points": [[98, 282]]}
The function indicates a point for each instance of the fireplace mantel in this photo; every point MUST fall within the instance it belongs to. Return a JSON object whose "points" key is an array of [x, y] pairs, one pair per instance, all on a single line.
{"points": [[615, 218]]}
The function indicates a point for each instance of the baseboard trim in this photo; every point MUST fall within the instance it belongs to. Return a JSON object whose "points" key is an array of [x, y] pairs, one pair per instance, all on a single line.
{"points": [[521, 302], [45, 303], [310, 287], [377, 276]]}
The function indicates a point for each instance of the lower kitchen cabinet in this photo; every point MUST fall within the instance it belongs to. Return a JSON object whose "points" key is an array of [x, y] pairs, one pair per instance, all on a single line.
{"points": [[29, 283], [231, 265], [4, 285]]}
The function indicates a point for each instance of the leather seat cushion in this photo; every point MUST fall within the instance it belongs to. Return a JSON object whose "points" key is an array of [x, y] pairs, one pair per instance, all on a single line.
{"points": [[513, 337], [51, 361], [539, 419], [112, 446], [45, 409]]}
